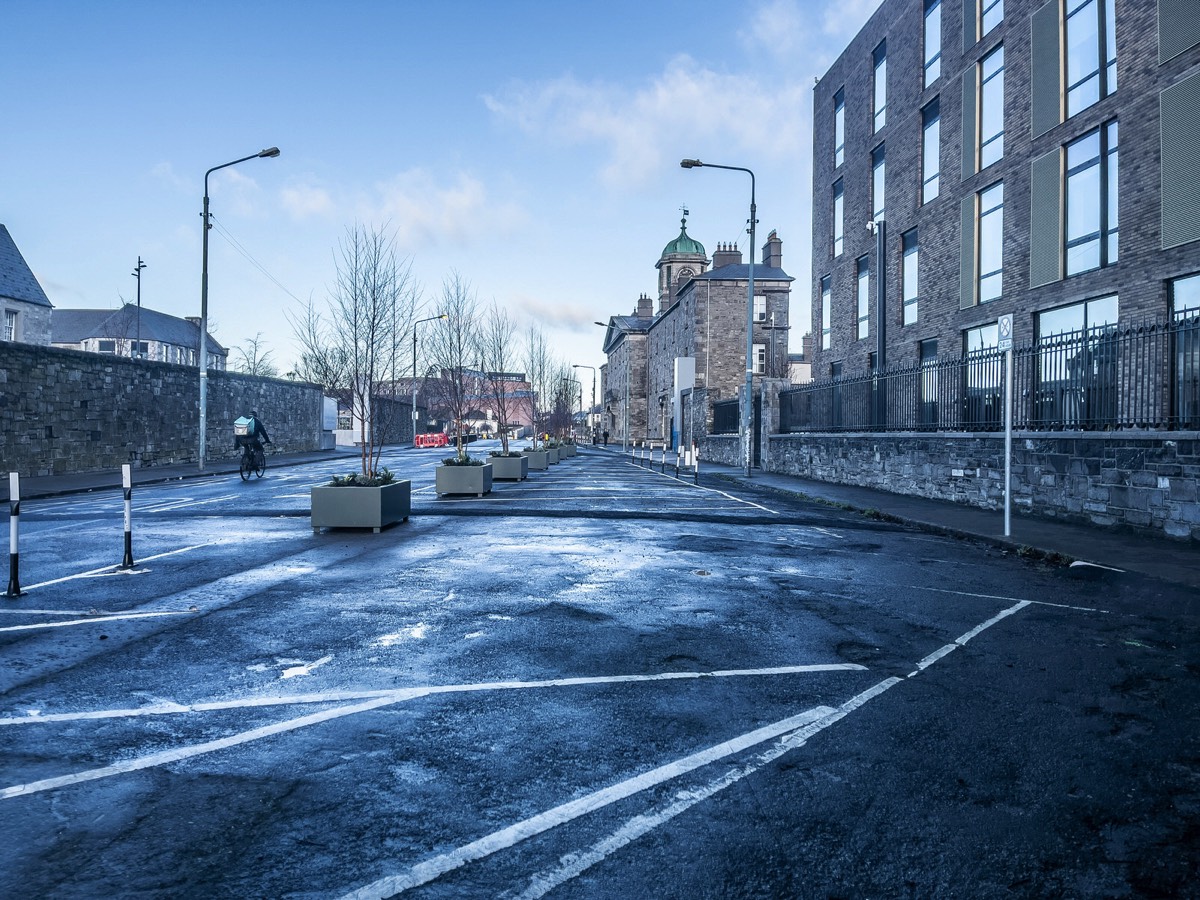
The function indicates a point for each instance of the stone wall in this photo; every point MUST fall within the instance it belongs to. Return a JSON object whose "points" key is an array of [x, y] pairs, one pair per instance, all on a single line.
{"points": [[64, 411], [1144, 481]]}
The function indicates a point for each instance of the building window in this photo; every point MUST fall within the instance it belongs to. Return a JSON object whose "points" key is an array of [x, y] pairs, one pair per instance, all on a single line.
{"points": [[928, 385], [933, 41], [760, 308], [1077, 364], [1185, 309], [877, 183], [864, 297], [826, 313], [839, 128], [991, 108], [838, 223], [760, 359], [10, 325], [1091, 201], [880, 59], [108, 346], [991, 243], [931, 143], [1091, 50], [910, 262], [991, 14]]}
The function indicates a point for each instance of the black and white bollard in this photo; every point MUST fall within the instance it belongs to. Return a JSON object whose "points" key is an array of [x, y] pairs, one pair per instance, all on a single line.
{"points": [[696, 461], [14, 529], [127, 484]]}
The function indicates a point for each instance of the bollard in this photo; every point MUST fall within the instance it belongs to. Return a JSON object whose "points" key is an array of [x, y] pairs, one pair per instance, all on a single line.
{"points": [[127, 484], [14, 518], [697, 463], [678, 457]]}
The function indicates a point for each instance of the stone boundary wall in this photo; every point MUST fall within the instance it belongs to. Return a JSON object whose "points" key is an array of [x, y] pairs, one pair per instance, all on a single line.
{"points": [[725, 449], [1140, 480], [65, 411]]}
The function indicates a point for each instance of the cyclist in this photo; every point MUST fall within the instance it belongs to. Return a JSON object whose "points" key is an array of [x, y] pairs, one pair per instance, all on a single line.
{"points": [[250, 432]]}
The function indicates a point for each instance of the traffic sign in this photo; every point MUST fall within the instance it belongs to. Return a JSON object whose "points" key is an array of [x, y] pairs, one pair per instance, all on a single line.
{"points": [[1004, 326]]}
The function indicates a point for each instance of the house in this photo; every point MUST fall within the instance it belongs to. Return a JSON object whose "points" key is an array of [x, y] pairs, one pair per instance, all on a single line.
{"points": [[137, 332], [24, 305]]}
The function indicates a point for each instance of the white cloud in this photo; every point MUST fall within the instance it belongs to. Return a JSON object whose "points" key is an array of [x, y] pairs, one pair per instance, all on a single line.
{"points": [[555, 314], [687, 106], [303, 201]]}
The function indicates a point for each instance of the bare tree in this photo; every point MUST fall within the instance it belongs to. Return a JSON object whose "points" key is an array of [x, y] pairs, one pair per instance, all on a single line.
{"points": [[497, 356], [253, 358], [563, 396], [360, 344], [454, 350], [538, 365]]}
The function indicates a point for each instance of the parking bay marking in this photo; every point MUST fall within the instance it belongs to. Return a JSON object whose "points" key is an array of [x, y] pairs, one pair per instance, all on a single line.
{"points": [[792, 733]]}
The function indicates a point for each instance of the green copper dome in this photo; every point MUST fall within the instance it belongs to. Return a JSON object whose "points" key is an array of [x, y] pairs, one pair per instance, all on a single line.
{"points": [[683, 243]]}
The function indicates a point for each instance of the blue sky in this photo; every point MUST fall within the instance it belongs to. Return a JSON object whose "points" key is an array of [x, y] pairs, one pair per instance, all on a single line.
{"points": [[533, 147]]}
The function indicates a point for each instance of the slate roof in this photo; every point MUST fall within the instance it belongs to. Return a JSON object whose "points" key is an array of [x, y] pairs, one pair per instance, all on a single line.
{"points": [[17, 281], [741, 272], [71, 326]]}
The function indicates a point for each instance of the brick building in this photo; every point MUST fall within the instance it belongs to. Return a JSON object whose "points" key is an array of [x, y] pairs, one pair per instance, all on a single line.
{"points": [[695, 340], [971, 150]]}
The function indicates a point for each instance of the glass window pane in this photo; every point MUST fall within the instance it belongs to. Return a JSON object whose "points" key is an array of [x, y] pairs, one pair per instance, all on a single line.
{"points": [[880, 87], [991, 108], [838, 223], [933, 41], [1083, 202], [864, 298], [992, 14], [1186, 293], [930, 150]]}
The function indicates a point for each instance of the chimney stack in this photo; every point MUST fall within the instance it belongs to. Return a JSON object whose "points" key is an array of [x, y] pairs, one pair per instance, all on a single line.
{"points": [[727, 255], [645, 308], [773, 251]]}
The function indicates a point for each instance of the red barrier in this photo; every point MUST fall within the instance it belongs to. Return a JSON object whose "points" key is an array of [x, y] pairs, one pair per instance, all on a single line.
{"points": [[437, 439]]}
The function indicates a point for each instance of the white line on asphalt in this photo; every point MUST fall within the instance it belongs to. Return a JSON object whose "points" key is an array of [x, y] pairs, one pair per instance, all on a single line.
{"points": [[795, 735], [402, 694], [574, 864], [92, 572], [92, 620], [961, 641], [433, 868]]}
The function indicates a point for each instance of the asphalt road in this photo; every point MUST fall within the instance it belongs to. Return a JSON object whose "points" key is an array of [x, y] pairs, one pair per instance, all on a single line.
{"points": [[601, 682]]}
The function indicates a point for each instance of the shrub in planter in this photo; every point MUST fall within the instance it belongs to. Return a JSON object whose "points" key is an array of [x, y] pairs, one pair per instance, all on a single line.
{"points": [[361, 501]]}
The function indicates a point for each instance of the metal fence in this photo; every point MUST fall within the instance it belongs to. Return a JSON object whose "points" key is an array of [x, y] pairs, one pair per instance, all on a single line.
{"points": [[1144, 375], [725, 417]]}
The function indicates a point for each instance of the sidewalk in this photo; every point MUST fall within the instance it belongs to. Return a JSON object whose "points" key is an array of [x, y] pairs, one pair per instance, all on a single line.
{"points": [[1166, 558]]}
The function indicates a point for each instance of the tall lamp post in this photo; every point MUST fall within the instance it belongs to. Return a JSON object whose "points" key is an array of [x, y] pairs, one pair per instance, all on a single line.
{"points": [[269, 153], [593, 368], [137, 273], [746, 406], [414, 386]]}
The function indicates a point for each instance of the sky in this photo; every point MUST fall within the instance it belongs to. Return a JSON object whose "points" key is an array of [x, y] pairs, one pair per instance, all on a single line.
{"points": [[531, 147]]}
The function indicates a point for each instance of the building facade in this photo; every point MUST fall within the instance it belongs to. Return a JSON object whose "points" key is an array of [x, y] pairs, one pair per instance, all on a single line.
{"points": [[696, 339], [25, 309], [969, 162], [135, 332]]}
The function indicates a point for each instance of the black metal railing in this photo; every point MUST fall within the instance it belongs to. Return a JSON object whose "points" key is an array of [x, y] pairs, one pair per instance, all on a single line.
{"points": [[726, 419], [1144, 375]]}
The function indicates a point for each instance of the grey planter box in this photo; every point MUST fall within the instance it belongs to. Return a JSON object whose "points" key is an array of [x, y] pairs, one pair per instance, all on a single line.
{"points": [[361, 507], [475, 480], [510, 468], [566, 451], [553, 455], [539, 460]]}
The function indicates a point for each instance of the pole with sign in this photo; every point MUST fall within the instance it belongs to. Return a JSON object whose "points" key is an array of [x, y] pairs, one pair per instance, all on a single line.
{"points": [[1005, 333]]}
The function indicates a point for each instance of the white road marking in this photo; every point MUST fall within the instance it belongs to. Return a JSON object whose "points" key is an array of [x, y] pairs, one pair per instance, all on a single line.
{"points": [[92, 572], [434, 868], [794, 732], [305, 669], [399, 695], [92, 620]]}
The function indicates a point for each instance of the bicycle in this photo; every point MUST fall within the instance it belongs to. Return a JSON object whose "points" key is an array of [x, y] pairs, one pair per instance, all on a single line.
{"points": [[254, 459]]}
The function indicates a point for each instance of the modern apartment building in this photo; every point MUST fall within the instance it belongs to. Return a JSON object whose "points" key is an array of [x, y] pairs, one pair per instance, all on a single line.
{"points": [[1039, 158]]}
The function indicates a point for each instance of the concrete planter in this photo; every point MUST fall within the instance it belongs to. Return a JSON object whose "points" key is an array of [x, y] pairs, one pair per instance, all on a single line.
{"points": [[553, 455], [475, 480], [565, 451], [539, 460], [361, 507], [510, 468]]}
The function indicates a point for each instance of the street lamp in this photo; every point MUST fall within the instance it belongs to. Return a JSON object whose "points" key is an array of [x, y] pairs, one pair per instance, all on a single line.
{"points": [[746, 413], [593, 368], [269, 153], [414, 385], [137, 273], [625, 405]]}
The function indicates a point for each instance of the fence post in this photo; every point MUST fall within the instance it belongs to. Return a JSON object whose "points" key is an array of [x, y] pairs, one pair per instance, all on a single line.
{"points": [[14, 518], [127, 484]]}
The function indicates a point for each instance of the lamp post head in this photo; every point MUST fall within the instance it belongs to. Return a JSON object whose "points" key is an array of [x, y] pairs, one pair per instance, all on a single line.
{"points": [[270, 152], [690, 163]]}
